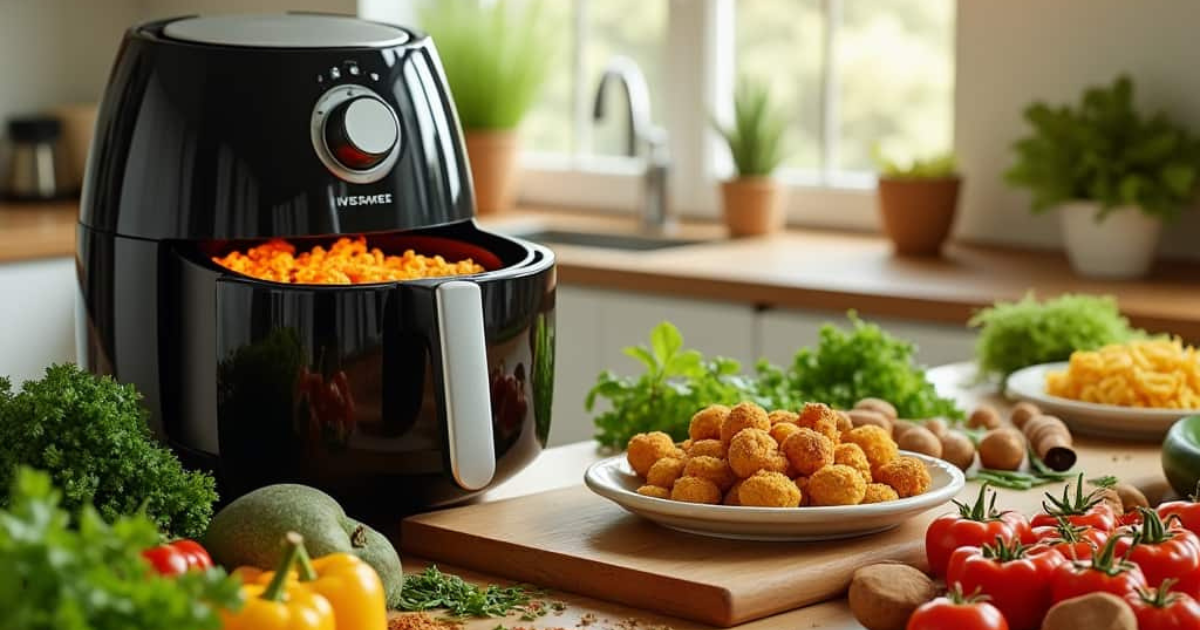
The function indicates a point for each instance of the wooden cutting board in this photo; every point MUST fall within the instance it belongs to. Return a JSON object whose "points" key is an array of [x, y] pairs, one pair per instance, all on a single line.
{"points": [[572, 540]]}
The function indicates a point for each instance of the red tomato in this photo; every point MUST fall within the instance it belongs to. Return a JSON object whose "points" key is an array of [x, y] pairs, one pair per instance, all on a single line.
{"points": [[1104, 573], [973, 526], [1188, 512], [1163, 609], [166, 560], [178, 557], [1014, 580], [1071, 541], [957, 612], [1162, 553], [1081, 510]]}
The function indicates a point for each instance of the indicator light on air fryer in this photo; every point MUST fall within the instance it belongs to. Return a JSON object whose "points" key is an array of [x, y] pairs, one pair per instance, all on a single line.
{"points": [[334, 73]]}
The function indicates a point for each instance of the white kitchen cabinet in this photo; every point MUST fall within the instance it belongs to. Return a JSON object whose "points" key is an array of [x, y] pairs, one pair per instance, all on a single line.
{"points": [[782, 331], [593, 326], [38, 311]]}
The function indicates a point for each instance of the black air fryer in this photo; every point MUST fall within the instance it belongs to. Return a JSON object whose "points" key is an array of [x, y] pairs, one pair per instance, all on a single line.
{"points": [[220, 133]]}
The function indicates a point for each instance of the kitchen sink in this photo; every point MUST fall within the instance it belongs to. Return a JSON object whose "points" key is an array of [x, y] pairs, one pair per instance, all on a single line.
{"points": [[630, 242]]}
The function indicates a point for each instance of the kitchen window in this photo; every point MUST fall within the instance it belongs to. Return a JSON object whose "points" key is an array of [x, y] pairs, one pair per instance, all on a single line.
{"points": [[853, 77]]}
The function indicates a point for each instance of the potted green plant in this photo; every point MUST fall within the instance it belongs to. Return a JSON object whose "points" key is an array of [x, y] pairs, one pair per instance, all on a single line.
{"points": [[752, 202], [1113, 175], [918, 201], [496, 61]]}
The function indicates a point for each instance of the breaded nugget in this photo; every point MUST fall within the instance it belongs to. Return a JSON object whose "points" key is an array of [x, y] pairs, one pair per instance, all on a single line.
{"points": [[853, 456], [782, 415], [836, 485], [665, 471], [654, 491], [808, 451], [731, 497], [706, 423], [907, 475], [769, 489], [802, 486], [783, 430], [709, 448], [820, 418], [753, 450], [647, 448], [879, 493], [744, 415], [696, 490], [875, 443], [684, 445], [710, 468]]}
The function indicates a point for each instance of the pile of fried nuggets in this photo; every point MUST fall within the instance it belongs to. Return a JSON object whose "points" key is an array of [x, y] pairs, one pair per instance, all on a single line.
{"points": [[747, 456]]}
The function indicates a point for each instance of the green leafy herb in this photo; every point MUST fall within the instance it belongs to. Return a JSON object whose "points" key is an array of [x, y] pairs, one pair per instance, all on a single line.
{"points": [[90, 434], [865, 361], [62, 573], [845, 367], [939, 166], [1104, 150], [1014, 335], [756, 137], [676, 384], [496, 56], [434, 589]]}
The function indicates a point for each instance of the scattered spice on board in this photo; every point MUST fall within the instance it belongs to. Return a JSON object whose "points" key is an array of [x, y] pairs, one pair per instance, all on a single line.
{"points": [[421, 621]]}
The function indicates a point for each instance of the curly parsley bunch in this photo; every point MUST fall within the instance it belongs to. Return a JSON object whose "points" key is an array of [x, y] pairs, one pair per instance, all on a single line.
{"points": [[90, 434]]}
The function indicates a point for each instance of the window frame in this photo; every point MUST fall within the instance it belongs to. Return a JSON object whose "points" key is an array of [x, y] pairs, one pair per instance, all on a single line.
{"points": [[704, 30]]}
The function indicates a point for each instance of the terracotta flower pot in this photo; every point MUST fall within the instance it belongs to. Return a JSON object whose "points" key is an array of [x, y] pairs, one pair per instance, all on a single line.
{"points": [[493, 159], [918, 213], [753, 206]]}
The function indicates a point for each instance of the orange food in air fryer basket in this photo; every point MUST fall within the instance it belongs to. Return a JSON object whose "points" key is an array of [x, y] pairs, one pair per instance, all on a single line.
{"points": [[348, 261]]}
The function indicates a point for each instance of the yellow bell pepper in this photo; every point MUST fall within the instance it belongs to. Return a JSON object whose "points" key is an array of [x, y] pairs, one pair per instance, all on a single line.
{"points": [[350, 585], [279, 603]]}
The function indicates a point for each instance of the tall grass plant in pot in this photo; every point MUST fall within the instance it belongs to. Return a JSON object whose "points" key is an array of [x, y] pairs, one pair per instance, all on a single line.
{"points": [[496, 60], [918, 201], [1113, 175], [752, 202]]}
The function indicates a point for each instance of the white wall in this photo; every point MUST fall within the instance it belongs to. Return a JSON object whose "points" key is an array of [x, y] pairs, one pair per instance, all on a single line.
{"points": [[1012, 52], [55, 52]]}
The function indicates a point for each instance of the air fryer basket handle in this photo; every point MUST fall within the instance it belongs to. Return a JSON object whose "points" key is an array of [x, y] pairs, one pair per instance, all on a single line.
{"points": [[461, 373]]}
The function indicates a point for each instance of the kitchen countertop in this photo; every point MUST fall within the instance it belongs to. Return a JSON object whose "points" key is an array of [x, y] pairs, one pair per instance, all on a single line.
{"points": [[804, 269], [29, 231], [837, 271], [564, 466]]}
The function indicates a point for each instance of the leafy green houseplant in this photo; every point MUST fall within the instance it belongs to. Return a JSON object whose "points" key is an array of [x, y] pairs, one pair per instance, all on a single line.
{"points": [[753, 200], [918, 200], [1114, 174], [496, 60]]}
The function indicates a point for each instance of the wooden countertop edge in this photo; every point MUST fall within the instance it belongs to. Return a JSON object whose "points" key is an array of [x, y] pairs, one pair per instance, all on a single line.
{"points": [[30, 232], [932, 310]]}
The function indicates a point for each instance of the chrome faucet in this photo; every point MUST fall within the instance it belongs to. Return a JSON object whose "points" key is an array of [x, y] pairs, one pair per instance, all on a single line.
{"points": [[642, 131]]}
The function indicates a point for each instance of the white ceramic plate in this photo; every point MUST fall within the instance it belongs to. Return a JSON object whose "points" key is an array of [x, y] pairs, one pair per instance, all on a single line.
{"points": [[613, 479], [1104, 420]]}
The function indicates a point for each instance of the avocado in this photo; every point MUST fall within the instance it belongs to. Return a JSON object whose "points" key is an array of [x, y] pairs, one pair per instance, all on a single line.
{"points": [[249, 531], [1181, 455]]}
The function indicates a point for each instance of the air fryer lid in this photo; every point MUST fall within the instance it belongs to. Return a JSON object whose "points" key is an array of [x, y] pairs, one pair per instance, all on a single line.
{"points": [[286, 31]]}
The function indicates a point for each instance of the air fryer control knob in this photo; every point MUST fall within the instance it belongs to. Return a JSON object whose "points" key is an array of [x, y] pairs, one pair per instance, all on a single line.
{"points": [[356, 134], [361, 132]]}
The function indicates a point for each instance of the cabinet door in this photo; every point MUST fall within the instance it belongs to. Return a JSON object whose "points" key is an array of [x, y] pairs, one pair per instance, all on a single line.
{"points": [[595, 325], [38, 312], [783, 331]]}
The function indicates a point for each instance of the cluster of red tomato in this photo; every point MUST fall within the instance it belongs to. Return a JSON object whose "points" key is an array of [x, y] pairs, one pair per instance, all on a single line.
{"points": [[178, 557], [1005, 572]]}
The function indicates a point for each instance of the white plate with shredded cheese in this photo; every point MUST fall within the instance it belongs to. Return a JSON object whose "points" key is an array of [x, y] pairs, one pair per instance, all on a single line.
{"points": [[1138, 423]]}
